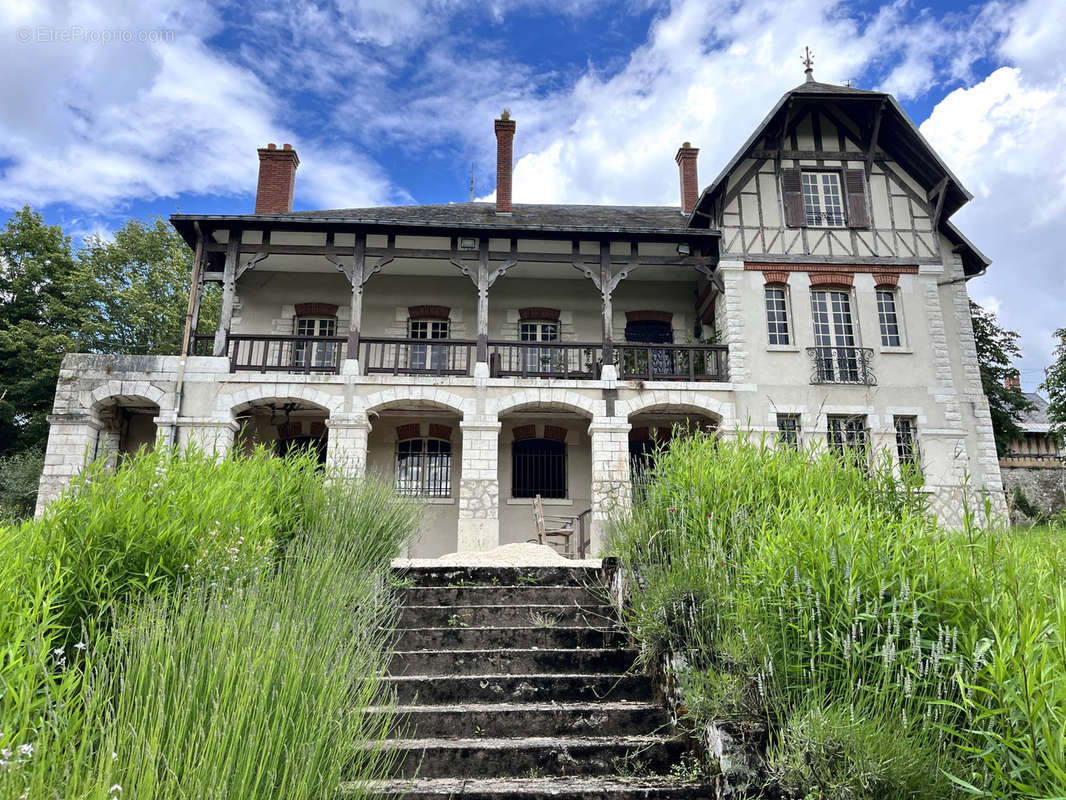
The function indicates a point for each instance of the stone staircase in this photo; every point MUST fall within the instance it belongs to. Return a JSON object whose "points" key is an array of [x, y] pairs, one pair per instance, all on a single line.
{"points": [[513, 683]]}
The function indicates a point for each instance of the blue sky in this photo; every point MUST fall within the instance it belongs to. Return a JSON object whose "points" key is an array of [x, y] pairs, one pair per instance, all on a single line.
{"points": [[119, 109]]}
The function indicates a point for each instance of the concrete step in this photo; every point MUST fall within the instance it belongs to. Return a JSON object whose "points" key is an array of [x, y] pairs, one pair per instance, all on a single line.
{"points": [[548, 756], [504, 616], [455, 638], [569, 788], [501, 595], [511, 662], [499, 576], [499, 720], [452, 689]]}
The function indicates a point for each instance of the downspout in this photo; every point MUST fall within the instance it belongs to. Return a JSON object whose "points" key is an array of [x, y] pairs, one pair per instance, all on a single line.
{"points": [[194, 287]]}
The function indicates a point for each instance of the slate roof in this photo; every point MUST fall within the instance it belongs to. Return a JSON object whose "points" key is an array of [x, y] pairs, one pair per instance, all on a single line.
{"points": [[484, 214], [1035, 421]]}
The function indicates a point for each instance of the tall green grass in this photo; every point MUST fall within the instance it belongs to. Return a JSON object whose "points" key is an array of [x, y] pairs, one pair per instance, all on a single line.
{"points": [[886, 657]]}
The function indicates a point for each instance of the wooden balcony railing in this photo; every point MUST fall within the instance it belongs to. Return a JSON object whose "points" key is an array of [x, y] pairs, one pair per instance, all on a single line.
{"points": [[416, 356], [271, 353], [672, 362], [545, 359]]}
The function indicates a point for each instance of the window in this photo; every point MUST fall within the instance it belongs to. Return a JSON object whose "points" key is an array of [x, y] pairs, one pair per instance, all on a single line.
{"points": [[847, 437], [428, 357], [424, 467], [836, 357], [538, 466], [541, 359], [788, 426], [777, 315], [907, 445], [887, 318], [317, 355], [649, 332], [822, 200]]}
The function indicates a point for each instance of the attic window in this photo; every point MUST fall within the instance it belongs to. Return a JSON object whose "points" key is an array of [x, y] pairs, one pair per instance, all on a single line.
{"points": [[825, 198], [822, 203]]}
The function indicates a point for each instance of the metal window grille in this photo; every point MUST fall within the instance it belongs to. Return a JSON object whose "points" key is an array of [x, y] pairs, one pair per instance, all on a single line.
{"points": [[822, 199], [776, 315], [907, 445], [424, 356], [319, 355], [424, 467], [887, 318], [849, 438], [788, 426], [538, 466]]}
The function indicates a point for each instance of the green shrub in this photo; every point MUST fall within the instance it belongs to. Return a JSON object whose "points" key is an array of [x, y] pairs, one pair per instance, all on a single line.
{"points": [[20, 474], [796, 585]]}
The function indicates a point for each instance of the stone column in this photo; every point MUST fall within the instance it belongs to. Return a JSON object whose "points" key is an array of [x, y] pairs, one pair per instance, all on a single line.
{"points": [[166, 431], [347, 446], [612, 486], [72, 442], [479, 485], [207, 434]]}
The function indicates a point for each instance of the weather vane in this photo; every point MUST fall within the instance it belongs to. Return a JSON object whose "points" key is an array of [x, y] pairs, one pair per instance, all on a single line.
{"points": [[808, 62]]}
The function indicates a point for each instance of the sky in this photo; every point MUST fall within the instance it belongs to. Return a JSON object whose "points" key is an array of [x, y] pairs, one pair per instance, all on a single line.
{"points": [[112, 110]]}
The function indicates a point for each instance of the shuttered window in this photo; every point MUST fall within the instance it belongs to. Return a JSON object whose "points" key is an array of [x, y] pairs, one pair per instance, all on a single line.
{"points": [[825, 198]]}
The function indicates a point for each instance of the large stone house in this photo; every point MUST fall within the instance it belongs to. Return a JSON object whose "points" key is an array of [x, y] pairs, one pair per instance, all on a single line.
{"points": [[479, 354]]}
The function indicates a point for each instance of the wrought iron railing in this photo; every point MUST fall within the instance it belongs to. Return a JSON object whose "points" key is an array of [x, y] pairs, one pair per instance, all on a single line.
{"points": [[672, 362], [416, 356], [842, 365], [545, 359]]}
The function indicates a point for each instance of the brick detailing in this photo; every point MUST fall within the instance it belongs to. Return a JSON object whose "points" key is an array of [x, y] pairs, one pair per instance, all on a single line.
{"points": [[277, 177], [412, 431], [440, 431], [315, 310], [886, 280], [759, 266], [538, 313], [290, 430], [429, 312], [686, 158], [521, 432], [649, 316], [505, 128], [771, 276], [832, 279], [555, 433]]}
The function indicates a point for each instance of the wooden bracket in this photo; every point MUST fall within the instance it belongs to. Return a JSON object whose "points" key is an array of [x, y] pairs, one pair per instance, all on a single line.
{"points": [[871, 147], [255, 259]]}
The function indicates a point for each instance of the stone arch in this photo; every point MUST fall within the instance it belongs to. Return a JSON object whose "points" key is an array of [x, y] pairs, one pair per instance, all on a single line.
{"points": [[676, 402], [560, 399], [394, 395], [246, 398], [118, 392]]}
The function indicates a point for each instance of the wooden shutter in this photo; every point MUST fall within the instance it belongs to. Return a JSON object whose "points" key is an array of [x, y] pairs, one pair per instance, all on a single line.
{"points": [[792, 189], [855, 186]]}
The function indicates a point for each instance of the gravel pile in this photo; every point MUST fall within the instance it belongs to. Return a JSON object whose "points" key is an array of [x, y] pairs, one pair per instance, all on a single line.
{"points": [[520, 554]]}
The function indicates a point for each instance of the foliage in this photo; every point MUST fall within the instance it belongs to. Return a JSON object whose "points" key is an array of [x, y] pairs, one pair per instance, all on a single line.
{"points": [[44, 313], [142, 279], [996, 350], [880, 651], [19, 475], [1055, 385]]}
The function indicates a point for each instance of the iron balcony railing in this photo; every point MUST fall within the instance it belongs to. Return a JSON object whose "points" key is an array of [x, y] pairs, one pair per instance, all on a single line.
{"points": [[416, 356], [672, 362], [545, 359], [849, 365]]}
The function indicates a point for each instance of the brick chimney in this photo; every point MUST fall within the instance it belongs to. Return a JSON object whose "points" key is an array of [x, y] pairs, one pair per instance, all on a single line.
{"points": [[690, 184], [505, 127], [1013, 381], [277, 174]]}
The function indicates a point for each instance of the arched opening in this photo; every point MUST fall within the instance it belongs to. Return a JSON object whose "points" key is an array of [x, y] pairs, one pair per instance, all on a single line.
{"points": [[652, 431], [287, 426], [127, 425]]}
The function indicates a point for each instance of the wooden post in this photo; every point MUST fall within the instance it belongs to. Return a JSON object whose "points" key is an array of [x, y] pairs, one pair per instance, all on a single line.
{"points": [[195, 290], [229, 288], [606, 285], [357, 281], [482, 284]]}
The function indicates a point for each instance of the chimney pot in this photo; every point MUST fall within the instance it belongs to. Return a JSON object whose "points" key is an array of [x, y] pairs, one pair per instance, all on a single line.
{"points": [[1013, 382], [505, 128], [277, 177], [690, 184]]}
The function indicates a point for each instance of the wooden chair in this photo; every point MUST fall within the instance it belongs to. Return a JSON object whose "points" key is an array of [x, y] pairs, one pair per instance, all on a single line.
{"points": [[564, 528]]}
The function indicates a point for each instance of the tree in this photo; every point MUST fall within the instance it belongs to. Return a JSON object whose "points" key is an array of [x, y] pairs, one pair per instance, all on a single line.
{"points": [[1055, 386], [996, 350], [45, 312], [143, 275]]}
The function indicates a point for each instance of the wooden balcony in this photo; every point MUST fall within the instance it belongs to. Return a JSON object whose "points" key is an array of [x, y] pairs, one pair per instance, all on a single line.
{"points": [[455, 357]]}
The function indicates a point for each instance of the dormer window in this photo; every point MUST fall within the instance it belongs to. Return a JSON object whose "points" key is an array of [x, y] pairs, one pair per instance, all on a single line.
{"points": [[823, 204]]}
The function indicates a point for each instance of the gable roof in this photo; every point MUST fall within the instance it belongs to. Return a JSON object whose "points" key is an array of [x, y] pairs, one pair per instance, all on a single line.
{"points": [[898, 135], [1035, 420]]}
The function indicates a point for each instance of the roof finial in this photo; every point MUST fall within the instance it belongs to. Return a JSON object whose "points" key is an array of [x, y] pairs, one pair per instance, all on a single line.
{"points": [[808, 62]]}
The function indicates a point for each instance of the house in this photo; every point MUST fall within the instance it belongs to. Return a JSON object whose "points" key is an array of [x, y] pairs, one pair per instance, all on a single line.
{"points": [[478, 354], [1033, 469]]}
